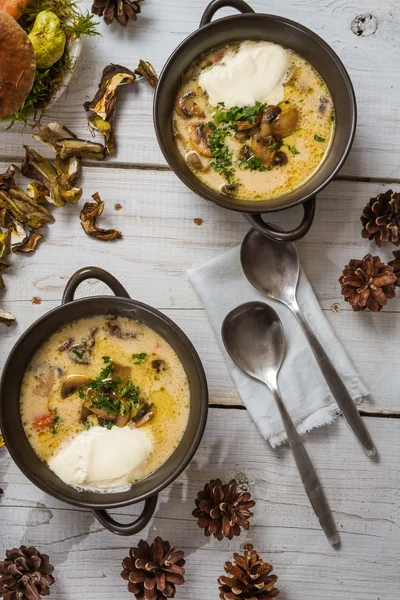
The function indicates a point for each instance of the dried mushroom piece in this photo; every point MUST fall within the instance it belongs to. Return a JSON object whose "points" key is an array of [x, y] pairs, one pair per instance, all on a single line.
{"points": [[5, 243], [88, 216], [7, 179], [146, 70], [26, 211], [18, 233], [81, 148], [106, 129], [29, 244], [6, 318], [68, 168], [103, 103], [38, 167], [38, 192]]}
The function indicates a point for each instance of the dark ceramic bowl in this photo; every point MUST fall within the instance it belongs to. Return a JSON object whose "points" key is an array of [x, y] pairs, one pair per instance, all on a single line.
{"points": [[10, 418], [254, 26]]}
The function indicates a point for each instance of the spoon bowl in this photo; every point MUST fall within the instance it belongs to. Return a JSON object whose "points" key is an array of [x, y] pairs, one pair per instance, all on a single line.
{"points": [[254, 338], [273, 268]]}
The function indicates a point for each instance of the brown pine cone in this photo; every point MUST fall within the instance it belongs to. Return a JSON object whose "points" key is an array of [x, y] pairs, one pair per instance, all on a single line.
{"points": [[381, 219], [25, 574], [395, 263], [122, 10], [248, 578], [221, 510], [153, 572], [368, 283]]}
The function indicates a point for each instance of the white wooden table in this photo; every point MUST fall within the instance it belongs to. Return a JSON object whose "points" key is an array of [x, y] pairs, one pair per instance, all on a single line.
{"points": [[160, 242]]}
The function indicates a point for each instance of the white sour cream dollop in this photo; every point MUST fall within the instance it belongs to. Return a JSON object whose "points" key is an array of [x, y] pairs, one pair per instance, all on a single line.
{"points": [[101, 458], [256, 73]]}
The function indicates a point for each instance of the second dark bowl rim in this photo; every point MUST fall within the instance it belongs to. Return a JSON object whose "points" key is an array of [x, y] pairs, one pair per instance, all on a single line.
{"points": [[181, 465], [257, 206]]}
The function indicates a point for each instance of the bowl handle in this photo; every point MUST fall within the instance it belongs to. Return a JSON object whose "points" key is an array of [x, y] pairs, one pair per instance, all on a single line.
{"points": [[276, 234], [92, 273], [128, 528], [215, 5]]}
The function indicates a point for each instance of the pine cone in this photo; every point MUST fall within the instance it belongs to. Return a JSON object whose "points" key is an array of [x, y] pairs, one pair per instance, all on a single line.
{"points": [[248, 578], [25, 574], [368, 283], [122, 10], [381, 219], [153, 571], [395, 263], [222, 510]]}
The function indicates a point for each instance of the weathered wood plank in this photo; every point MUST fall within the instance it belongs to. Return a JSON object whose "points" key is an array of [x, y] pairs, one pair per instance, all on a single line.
{"points": [[372, 61], [354, 333], [364, 497], [161, 241]]}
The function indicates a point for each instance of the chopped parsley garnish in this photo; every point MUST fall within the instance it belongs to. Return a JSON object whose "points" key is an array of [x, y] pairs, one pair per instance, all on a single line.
{"points": [[236, 113], [56, 421], [275, 146], [108, 393], [77, 354], [254, 164], [292, 149], [106, 359], [140, 358], [317, 138], [222, 156]]}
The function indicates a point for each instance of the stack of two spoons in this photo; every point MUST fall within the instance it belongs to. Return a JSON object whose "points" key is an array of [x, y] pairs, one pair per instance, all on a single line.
{"points": [[254, 338]]}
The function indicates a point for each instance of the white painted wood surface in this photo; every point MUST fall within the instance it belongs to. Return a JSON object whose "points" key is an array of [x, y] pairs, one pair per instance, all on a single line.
{"points": [[160, 242], [364, 497], [372, 62]]}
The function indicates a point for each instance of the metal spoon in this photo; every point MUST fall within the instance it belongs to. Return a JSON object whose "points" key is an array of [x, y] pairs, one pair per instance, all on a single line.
{"points": [[273, 268], [254, 339]]}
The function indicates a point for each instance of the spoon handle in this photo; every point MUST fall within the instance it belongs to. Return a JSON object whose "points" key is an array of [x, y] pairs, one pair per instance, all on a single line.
{"points": [[336, 385], [308, 475]]}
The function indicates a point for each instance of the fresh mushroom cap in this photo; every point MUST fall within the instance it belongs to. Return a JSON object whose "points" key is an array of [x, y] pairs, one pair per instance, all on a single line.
{"points": [[73, 383], [17, 65]]}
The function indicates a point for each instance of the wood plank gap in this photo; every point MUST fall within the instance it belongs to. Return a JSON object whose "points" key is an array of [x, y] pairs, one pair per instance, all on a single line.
{"points": [[363, 413]]}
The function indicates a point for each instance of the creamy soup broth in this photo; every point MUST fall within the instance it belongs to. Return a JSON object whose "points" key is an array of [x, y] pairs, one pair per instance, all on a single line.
{"points": [[158, 376], [298, 153]]}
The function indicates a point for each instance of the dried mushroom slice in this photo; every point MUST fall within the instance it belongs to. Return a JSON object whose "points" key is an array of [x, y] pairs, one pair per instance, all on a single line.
{"points": [[7, 179], [29, 244], [17, 65], [106, 130], [68, 168], [81, 148], [34, 215], [88, 216], [103, 103], [5, 243], [6, 318], [38, 167], [38, 192], [53, 133], [18, 233], [146, 70]]}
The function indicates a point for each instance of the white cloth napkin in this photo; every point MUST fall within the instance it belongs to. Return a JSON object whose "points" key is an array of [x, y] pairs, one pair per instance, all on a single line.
{"points": [[221, 286]]}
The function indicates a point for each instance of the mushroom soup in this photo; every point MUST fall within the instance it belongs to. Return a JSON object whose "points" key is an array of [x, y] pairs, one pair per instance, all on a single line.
{"points": [[253, 120], [104, 402]]}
